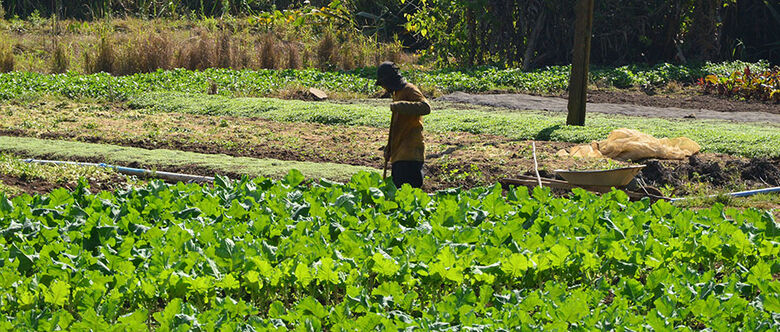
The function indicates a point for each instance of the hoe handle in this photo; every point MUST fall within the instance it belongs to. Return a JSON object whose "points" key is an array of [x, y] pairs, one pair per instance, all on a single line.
{"points": [[389, 140]]}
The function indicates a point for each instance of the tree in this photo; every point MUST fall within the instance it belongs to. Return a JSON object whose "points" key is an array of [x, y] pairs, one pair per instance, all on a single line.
{"points": [[578, 83]]}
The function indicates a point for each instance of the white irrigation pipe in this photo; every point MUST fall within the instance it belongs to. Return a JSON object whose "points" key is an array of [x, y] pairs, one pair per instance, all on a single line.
{"points": [[536, 165], [131, 171], [735, 194]]}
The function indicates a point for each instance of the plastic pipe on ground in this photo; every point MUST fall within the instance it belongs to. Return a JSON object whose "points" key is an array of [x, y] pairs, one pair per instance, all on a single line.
{"points": [[737, 194], [131, 171]]}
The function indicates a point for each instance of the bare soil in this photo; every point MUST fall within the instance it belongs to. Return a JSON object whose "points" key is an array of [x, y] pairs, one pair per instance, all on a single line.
{"points": [[717, 170], [634, 103], [686, 99], [453, 159], [40, 186]]}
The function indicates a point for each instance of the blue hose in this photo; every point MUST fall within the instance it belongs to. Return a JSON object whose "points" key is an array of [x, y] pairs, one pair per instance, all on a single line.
{"points": [[737, 194], [131, 171]]}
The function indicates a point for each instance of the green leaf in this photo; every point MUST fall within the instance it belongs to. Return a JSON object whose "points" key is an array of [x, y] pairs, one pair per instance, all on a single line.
{"points": [[276, 309], [574, 308], [228, 282], [303, 275], [558, 255], [657, 321], [771, 302], [325, 271], [223, 182], [237, 210], [26, 262], [58, 293], [310, 306], [294, 178], [468, 235], [134, 321], [759, 273], [516, 265], [707, 308], [384, 265], [6, 206], [388, 289], [665, 306], [167, 316], [90, 321], [60, 196]]}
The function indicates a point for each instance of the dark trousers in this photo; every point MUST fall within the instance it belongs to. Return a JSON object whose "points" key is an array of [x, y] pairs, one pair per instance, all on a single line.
{"points": [[407, 171]]}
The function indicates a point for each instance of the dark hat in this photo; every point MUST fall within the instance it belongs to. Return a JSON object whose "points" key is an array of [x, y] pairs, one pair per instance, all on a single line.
{"points": [[387, 74]]}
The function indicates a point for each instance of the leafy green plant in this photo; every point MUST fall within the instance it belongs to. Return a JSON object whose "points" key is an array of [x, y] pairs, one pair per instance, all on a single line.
{"points": [[747, 84], [280, 255], [244, 83]]}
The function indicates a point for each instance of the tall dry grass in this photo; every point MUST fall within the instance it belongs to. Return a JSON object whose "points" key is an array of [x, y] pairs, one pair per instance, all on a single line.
{"points": [[327, 51], [101, 57], [7, 61], [224, 50], [268, 57], [127, 46], [144, 53], [60, 59], [294, 60]]}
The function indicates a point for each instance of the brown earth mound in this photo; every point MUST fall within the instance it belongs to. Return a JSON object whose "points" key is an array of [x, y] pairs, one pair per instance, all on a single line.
{"points": [[756, 172]]}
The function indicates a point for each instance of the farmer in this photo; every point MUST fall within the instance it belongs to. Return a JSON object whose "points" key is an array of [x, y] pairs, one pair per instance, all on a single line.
{"points": [[405, 149]]}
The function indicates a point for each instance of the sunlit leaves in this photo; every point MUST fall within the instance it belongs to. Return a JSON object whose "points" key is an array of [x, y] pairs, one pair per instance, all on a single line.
{"points": [[238, 255]]}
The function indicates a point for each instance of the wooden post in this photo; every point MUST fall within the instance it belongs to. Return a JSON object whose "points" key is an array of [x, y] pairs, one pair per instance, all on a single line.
{"points": [[578, 83]]}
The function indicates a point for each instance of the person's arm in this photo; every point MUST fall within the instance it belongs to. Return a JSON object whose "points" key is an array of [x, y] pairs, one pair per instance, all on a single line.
{"points": [[411, 107]]}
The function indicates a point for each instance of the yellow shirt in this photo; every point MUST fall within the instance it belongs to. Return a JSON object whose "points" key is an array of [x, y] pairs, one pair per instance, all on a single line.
{"points": [[406, 138]]}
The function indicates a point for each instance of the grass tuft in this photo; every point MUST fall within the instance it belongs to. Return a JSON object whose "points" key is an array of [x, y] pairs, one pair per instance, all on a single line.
{"points": [[224, 50], [293, 57], [327, 51], [268, 52], [60, 59], [104, 58], [7, 61]]}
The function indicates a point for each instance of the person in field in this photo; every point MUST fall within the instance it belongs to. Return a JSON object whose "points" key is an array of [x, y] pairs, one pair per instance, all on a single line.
{"points": [[405, 149]]}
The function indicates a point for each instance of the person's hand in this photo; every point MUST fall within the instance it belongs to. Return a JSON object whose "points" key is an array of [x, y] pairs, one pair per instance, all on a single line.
{"points": [[387, 152]]}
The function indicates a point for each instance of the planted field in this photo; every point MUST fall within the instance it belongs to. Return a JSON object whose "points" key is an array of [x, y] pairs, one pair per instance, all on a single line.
{"points": [[282, 255], [360, 81], [744, 139], [464, 146], [300, 231]]}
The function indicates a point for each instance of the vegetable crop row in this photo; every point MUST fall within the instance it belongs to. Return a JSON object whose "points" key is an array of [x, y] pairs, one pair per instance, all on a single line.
{"points": [[360, 256], [265, 82], [744, 139]]}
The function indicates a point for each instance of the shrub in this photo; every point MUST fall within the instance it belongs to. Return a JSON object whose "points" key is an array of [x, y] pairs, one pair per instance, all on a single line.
{"points": [[144, 54]]}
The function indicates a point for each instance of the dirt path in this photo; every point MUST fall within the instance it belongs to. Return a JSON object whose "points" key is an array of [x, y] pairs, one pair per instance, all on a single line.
{"points": [[528, 102]]}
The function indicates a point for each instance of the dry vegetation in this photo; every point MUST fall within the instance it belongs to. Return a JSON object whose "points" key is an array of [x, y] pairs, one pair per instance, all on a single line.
{"points": [[6, 55], [127, 46]]}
